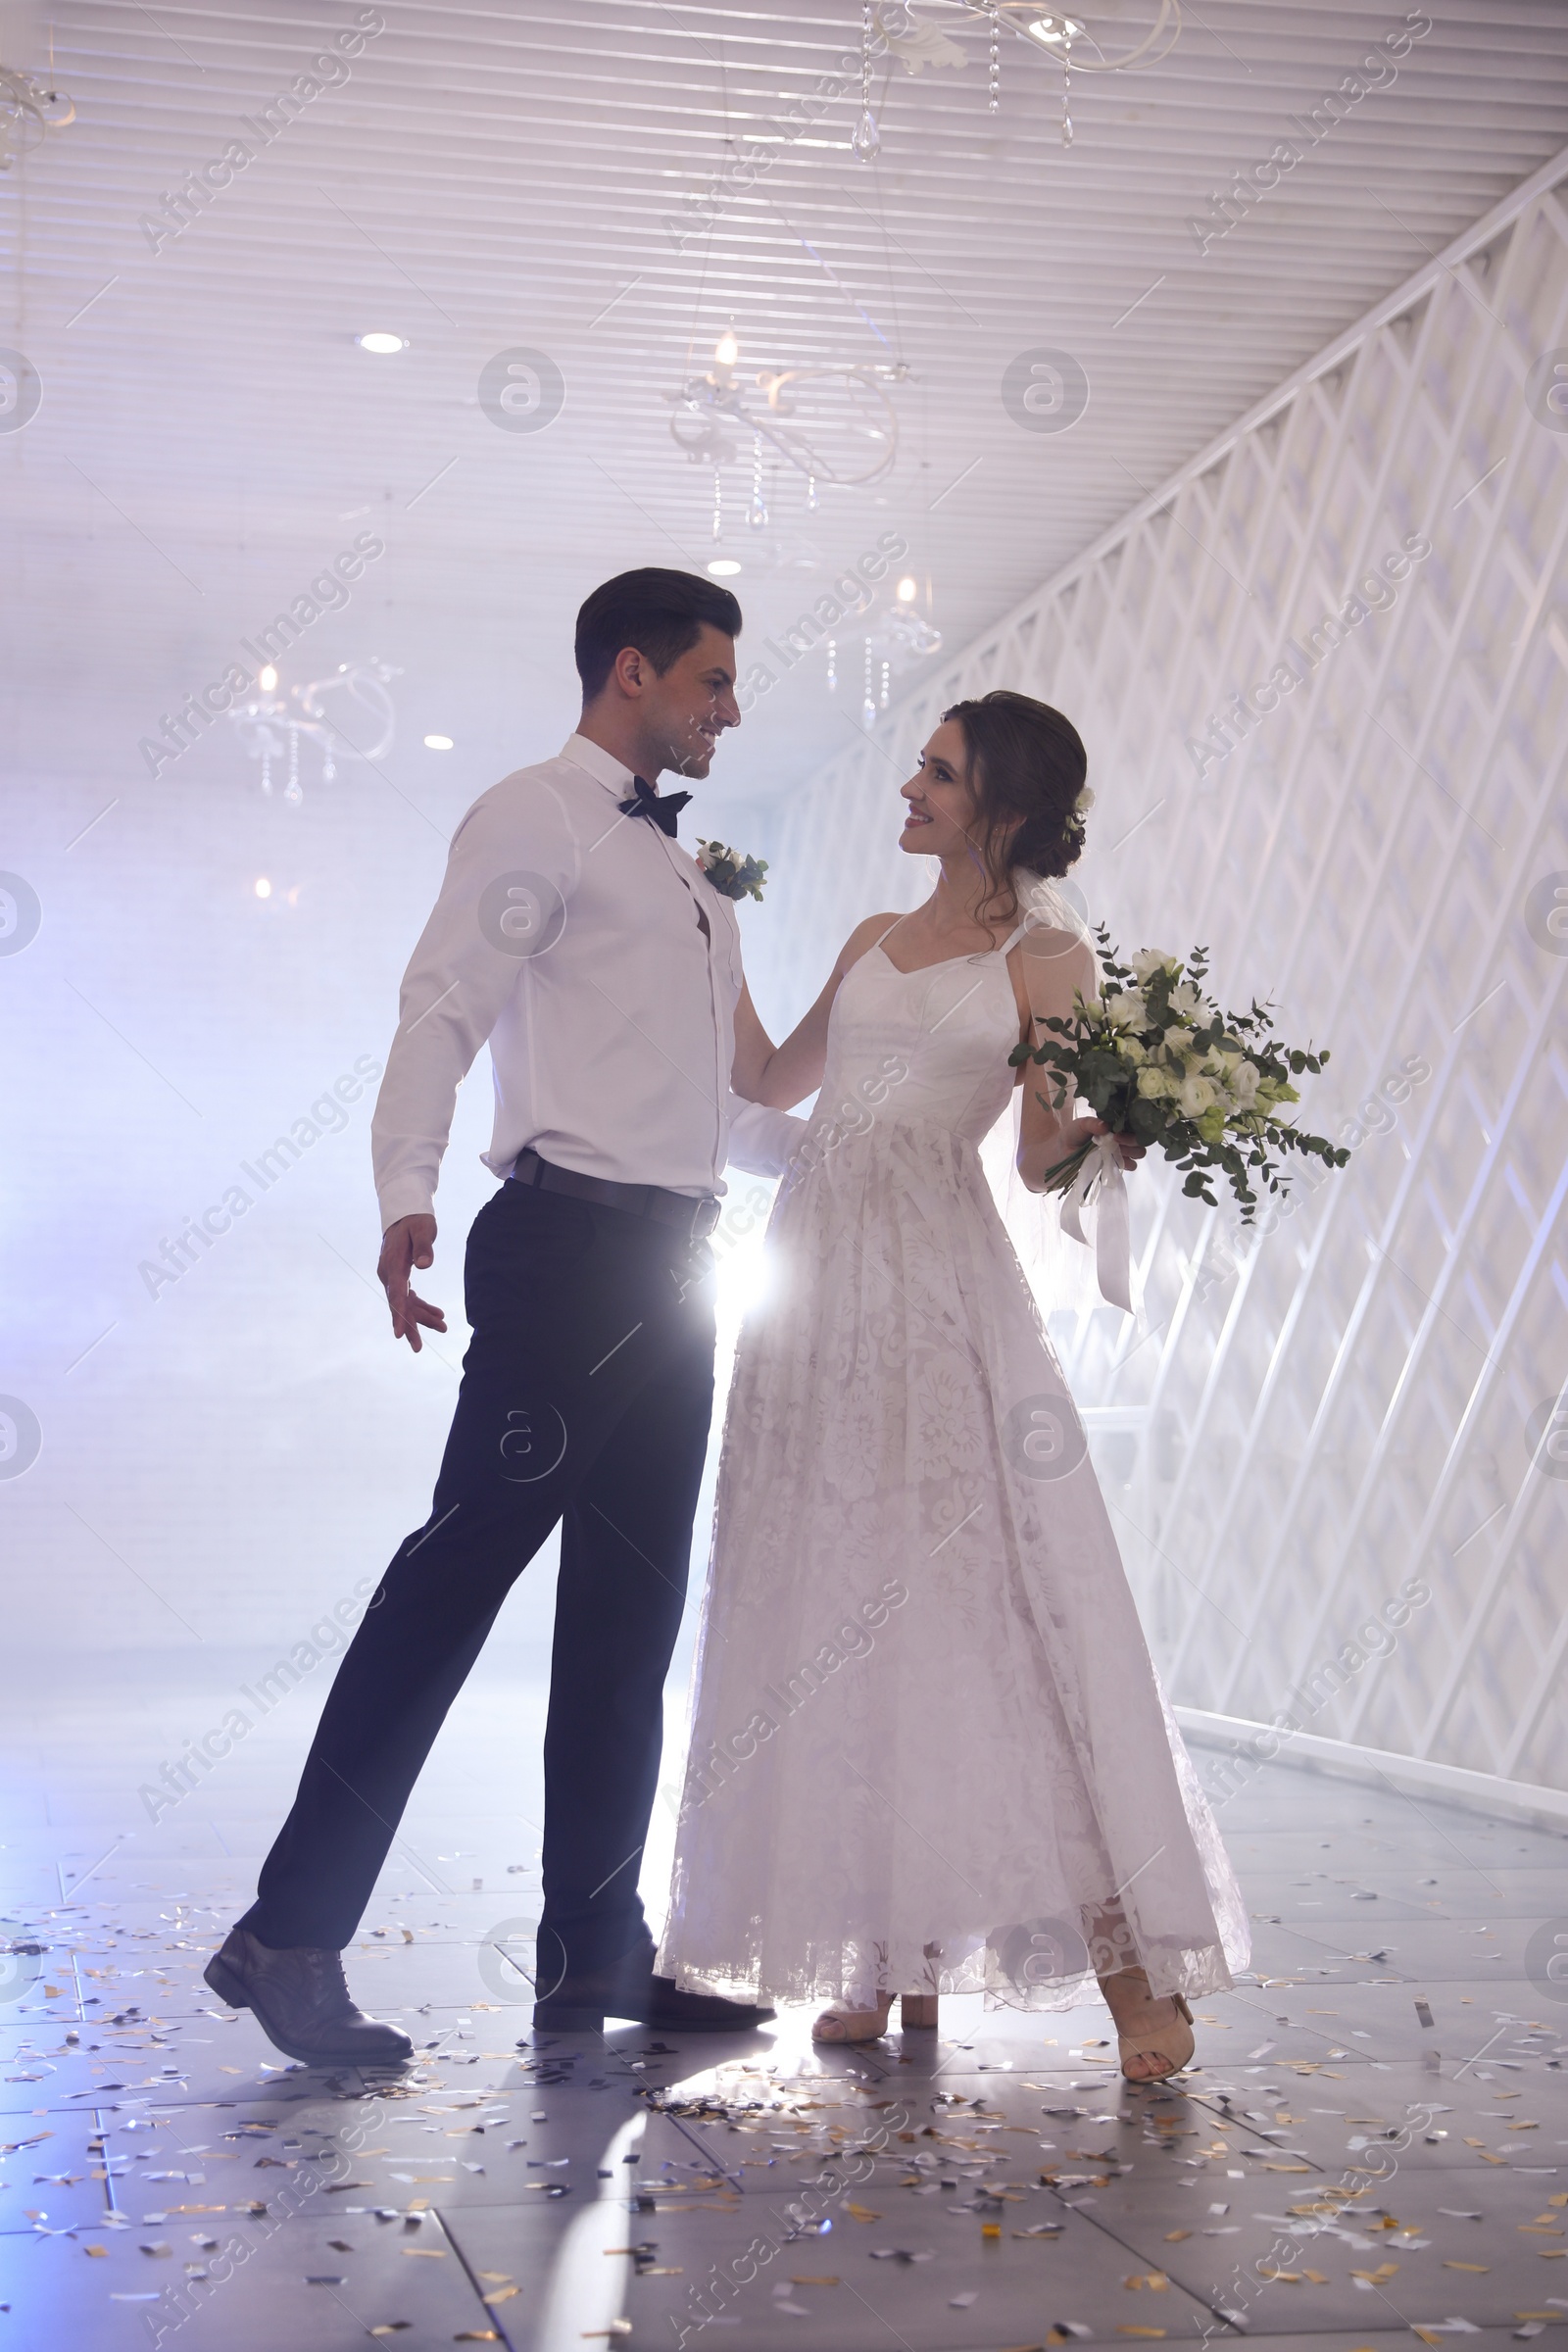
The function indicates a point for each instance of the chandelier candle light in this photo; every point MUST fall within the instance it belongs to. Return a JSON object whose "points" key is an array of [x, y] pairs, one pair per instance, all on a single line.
{"points": [[1156, 1058]]}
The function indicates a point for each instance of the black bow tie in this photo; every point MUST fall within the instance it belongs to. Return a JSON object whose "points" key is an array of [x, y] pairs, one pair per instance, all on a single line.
{"points": [[661, 807]]}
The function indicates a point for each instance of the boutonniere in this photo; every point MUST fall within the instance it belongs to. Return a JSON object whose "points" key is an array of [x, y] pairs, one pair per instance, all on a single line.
{"points": [[731, 875]]}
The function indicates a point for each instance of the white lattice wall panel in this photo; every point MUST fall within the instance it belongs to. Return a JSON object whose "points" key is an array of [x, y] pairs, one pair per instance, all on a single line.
{"points": [[1341, 1405]]}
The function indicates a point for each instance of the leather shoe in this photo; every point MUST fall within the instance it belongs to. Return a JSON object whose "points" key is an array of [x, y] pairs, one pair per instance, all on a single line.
{"points": [[631, 1990], [300, 2000]]}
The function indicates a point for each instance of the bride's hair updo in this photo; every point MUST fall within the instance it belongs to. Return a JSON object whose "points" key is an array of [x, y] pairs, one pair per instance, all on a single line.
{"points": [[1025, 762]]}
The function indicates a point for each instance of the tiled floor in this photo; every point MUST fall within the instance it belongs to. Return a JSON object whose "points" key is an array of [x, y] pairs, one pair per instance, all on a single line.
{"points": [[1337, 2171]]}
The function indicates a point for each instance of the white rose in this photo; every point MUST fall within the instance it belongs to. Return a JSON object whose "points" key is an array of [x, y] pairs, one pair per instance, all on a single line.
{"points": [[1195, 1095], [1133, 1050], [1243, 1084], [1125, 1008], [1154, 1085], [1149, 961], [1185, 1000]]}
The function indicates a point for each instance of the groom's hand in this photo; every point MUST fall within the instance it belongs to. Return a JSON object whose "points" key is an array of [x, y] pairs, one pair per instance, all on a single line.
{"points": [[408, 1243]]}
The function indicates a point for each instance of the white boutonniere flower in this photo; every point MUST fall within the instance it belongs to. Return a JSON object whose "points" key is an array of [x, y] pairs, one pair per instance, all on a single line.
{"points": [[732, 875]]}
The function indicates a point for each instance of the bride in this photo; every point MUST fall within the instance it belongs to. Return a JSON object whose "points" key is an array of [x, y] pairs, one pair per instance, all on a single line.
{"points": [[929, 1750]]}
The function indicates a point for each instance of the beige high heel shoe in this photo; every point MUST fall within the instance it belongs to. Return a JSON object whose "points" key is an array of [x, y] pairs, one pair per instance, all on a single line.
{"points": [[1152, 2047], [916, 2011]]}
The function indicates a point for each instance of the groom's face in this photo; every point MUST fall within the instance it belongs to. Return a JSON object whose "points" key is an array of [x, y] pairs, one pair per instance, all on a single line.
{"points": [[685, 710]]}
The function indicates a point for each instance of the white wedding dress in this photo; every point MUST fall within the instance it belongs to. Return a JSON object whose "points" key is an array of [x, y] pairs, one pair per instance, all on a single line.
{"points": [[928, 1749]]}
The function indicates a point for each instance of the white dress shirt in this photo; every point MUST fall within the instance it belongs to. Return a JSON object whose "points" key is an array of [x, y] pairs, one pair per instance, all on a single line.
{"points": [[568, 934]]}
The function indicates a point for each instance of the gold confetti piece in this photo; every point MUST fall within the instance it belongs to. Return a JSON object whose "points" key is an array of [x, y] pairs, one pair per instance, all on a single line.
{"points": [[991, 2229], [477, 2336], [1318, 2277], [408, 1934], [502, 2295], [861, 2213], [814, 2282], [427, 2253], [101, 2251], [1173, 2237], [1140, 2331], [503, 2277], [1479, 2269], [391, 2326]]}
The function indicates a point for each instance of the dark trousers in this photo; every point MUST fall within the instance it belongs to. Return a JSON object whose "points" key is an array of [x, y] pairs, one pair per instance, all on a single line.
{"points": [[587, 1392]]}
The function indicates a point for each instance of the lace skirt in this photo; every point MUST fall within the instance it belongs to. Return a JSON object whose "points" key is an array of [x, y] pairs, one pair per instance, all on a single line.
{"points": [[928, 1747]]}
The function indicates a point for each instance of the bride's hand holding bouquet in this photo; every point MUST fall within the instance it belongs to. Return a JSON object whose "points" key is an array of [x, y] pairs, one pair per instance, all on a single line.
{"points": [[1162, 1064]]}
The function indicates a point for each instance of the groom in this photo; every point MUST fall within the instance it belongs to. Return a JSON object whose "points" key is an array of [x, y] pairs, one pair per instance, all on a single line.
{"points": [[575, 936]]}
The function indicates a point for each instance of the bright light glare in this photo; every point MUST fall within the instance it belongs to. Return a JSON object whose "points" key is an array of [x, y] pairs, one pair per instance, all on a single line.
{"points": [[744, 1274], [380, 343], [268, 679], [438, 742], [907, 591], [726, 351], [723, 567], [263, 888], [1055, 30]]}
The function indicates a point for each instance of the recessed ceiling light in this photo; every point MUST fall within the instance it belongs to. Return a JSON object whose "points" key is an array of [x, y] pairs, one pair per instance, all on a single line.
{"points": [[263, 888], [438, 742], [726, 351], [380, 343], [907, 591], [267, 680], [723, 567]]}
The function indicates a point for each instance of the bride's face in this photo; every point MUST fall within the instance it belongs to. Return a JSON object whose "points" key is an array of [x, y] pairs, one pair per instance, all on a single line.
{"points": [[941, 809]]}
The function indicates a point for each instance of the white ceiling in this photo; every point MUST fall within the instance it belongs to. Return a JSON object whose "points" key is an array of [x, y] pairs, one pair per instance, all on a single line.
{"points": [[493, 176]]}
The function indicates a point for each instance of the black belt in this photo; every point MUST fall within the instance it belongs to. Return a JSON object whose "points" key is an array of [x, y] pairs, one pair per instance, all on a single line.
{"points": [[695, 1219]]}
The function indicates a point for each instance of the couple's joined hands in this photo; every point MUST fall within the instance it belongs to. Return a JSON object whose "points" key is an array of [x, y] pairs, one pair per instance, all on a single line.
{"points": [[408, 1243]]}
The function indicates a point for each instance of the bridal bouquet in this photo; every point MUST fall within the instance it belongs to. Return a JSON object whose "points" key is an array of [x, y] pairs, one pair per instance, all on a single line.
{"points": [[1157, 1058]]}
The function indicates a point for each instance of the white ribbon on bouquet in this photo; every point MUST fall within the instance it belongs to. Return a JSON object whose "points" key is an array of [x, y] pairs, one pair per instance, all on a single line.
{"points": [[1099, 1183]]}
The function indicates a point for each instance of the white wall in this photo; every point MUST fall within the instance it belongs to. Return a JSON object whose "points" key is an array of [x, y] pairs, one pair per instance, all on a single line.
{"points": [[1292, 1429]]}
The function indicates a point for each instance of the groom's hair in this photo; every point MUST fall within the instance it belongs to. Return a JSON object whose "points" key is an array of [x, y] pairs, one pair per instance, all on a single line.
{"points": [[660, 612]]}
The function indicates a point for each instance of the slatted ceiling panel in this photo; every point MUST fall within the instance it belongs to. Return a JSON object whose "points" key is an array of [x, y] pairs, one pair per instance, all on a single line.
{"points": [[504, 175]]}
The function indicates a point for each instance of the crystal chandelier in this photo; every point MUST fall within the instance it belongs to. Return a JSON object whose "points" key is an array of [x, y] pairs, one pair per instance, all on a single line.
{"points": [[904, 32], [272, 725], [833, 423], [28, 111]]}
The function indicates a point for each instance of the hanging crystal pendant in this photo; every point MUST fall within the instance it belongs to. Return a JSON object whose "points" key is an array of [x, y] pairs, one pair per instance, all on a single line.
{"points": [[868, 703], [887, 681], [758, 518], [832, 665], [811, 494], [993, 99], [718, 503], [866, 144], [1066, 119]]}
